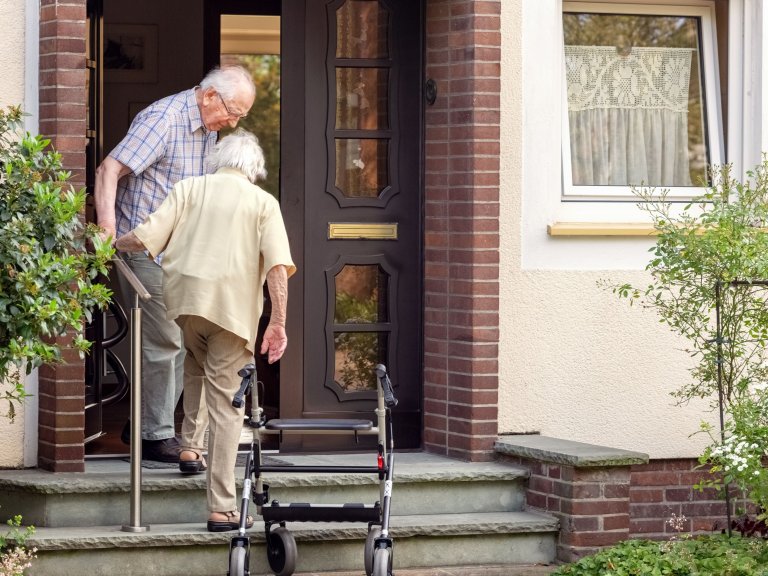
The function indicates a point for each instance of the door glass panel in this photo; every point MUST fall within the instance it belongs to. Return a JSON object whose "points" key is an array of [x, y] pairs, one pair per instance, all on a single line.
{"points": [[361, 98], [362, 169], [362, 29], [361, 295], [356, 354]]}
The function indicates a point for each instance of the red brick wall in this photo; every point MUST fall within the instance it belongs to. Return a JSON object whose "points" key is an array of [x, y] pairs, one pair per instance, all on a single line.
{"points": [[463, 49], [63, 120], [600, 507], [592, 504], [663, 488]]}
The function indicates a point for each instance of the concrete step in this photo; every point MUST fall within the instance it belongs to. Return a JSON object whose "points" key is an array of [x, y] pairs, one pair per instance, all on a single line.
{"points": [[444, 513], [463, 539], [102, 496]]}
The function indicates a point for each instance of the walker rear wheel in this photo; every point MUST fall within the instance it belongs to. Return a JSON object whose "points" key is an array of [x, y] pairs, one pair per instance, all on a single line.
{"points": [[281, 552]]}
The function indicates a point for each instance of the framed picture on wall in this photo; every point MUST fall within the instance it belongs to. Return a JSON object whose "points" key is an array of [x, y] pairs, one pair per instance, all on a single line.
{"points": [[130, 53]]}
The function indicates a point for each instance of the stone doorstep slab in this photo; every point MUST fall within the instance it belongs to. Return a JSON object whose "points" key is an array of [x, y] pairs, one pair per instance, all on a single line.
{"points": [[159, 535], [568, 452], [42, 482]]}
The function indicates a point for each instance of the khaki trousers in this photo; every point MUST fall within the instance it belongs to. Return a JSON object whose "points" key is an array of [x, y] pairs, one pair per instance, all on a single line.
{"points": [[214, 356]]}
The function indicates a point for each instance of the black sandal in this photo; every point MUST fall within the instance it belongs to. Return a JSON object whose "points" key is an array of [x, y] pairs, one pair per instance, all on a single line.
{"points": [[232, 522], [192, 466]]}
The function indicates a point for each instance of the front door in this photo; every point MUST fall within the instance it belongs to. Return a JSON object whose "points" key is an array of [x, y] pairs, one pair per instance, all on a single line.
{"points": [[351, 194]]}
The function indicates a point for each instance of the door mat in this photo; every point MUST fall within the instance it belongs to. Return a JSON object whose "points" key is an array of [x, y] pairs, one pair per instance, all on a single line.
{"points": [[265, 461], [153, 465]]}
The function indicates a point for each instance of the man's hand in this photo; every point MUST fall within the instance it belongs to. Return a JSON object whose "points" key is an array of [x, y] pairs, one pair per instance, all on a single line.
{"points": [[274, 343], [129, 243]]}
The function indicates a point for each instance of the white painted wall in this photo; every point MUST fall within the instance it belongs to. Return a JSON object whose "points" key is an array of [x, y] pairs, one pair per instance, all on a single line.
{"points": [[574, 361]]}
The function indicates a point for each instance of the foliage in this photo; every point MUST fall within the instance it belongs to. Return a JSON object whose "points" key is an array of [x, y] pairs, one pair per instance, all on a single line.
{"points": [[264, 116], [358, 350], [703, 555], [717, 245], [14, 557], [47, 278]]}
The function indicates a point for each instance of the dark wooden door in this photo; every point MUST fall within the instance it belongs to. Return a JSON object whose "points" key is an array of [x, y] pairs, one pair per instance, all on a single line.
{"points": [[351, 194]]}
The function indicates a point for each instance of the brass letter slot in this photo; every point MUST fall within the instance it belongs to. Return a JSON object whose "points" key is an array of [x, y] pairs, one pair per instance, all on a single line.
{"points": [[361, 231]]}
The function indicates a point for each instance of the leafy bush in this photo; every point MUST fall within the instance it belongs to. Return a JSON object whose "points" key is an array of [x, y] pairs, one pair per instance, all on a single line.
{"points": [[709, 268], [712, 555], [47, 278]]}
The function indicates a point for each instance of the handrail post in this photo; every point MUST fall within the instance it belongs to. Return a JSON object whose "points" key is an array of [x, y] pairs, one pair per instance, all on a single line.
{"points": [[141, 292]]}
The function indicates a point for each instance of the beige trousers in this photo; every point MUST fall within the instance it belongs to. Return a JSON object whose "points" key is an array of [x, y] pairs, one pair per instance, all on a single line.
{"points": [[214, 356]]}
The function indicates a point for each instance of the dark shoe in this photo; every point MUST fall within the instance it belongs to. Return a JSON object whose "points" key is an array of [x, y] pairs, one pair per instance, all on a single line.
{"points": [[231, 523], [125, 435], [192, 466], [166, 450]]}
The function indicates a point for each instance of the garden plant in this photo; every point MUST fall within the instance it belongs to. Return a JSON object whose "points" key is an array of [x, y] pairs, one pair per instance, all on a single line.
{"points": [[47, 277], [709, 284]]}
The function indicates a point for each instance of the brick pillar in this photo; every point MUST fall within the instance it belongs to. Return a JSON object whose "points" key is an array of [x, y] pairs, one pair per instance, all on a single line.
{"points": [[63, 101], [462, 229]]}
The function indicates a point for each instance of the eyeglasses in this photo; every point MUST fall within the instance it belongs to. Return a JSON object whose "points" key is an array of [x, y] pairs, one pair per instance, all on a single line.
{"points": [[229, 112]]}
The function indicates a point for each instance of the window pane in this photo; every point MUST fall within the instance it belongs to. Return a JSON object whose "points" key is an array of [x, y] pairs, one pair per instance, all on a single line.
{"points": [[356, 355], [361, 295], [635, 100], [361, 98], [362, 30], [361, 166]]}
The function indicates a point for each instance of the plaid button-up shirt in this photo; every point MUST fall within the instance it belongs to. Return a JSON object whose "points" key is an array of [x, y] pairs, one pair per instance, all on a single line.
{"points": [[166, 142]]}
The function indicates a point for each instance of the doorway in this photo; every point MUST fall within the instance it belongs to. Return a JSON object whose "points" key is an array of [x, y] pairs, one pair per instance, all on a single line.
{"points": [[339, 114]]}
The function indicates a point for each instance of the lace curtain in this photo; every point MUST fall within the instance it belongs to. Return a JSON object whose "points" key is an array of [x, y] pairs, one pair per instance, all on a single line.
{"points": [[628, 115]]}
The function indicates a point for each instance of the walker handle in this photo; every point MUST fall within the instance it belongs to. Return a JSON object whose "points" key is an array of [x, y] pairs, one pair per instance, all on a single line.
{"points": [[247, 373], [386, 385]]}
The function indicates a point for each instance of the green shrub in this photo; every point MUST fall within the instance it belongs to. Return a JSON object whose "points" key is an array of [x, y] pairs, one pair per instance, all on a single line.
{"points": [[712, 555], [47, 278]]}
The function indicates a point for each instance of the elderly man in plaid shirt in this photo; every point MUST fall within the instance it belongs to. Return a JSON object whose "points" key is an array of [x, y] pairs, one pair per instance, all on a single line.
{"points": [[167, 142]]}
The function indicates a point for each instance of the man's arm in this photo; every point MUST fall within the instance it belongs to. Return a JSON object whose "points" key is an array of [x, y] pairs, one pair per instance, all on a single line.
{"points": [[129, 243], [105, 191], [275, 340]]}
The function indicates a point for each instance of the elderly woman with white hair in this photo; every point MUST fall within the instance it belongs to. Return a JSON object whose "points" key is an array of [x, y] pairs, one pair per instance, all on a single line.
{"points": [[221, 237]]}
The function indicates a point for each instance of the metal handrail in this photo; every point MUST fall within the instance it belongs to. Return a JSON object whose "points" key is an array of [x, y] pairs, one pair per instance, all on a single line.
{"points": [[141, 293]]}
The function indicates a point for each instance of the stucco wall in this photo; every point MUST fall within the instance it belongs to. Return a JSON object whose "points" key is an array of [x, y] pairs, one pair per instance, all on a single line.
{"points": [[12, 51], [574, 361], [12, 54]]}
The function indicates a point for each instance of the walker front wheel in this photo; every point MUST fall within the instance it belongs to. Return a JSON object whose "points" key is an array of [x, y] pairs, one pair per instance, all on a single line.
{"points": [[381, 561], [370, 541], [281, 552], [237, 561]]}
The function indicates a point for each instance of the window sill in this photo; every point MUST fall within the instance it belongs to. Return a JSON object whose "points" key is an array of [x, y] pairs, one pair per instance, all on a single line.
{"points": [[625, 229]]}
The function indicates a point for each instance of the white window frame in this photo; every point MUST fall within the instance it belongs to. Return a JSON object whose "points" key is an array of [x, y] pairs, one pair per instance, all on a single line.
{"points": [[705, 11]]}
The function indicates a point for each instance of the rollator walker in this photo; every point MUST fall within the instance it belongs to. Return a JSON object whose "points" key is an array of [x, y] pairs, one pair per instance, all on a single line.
{"points": [[281, 545]]}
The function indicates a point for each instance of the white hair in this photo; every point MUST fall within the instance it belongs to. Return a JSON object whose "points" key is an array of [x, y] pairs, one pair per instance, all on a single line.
{"points": [[228, 81], [240, 150]]}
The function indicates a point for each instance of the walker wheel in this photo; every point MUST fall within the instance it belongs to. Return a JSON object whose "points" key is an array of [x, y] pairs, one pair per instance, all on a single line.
{"points": [[238, 559], [381, 560], [370, 541], [281, 552]]}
